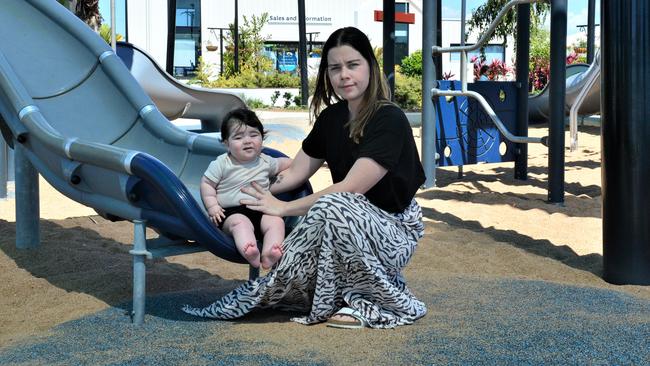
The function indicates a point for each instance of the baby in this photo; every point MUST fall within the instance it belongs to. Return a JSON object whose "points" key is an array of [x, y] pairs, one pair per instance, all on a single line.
{"points": [[243, 133]]}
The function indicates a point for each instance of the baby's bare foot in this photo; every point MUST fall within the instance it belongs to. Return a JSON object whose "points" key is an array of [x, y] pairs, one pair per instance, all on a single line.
{"points": [[271, 256], [252, 254]]}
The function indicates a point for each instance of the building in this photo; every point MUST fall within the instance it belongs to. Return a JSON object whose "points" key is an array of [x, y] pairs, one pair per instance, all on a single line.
{"points": [[201, 24]]}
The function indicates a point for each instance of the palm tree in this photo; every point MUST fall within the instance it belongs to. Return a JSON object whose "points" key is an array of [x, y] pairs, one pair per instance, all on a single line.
{"points": [[86, 10]]}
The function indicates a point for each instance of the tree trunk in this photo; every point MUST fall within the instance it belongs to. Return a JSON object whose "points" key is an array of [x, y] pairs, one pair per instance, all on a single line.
{"points": [[88, 12]]}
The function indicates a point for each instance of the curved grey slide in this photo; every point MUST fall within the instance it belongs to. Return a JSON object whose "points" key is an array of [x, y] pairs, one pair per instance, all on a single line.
{"points": [[71, 107], [576, 78], [173, 98]]}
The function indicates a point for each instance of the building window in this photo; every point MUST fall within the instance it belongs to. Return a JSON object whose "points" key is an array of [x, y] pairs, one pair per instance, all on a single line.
{"points": [[285, 54], [401, 35], [492, 52], [187, 44]]}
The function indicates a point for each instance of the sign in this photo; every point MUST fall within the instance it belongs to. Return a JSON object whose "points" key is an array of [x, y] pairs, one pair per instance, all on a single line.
{"points": [[408, 18], [293, 19]]}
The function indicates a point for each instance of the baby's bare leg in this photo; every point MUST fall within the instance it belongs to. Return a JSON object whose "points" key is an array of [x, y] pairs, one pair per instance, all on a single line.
{"points": [[241, 229], [273, 231]]}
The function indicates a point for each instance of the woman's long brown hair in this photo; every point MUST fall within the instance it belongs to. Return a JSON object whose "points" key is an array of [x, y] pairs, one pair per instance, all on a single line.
{"points": [[376, 95]]}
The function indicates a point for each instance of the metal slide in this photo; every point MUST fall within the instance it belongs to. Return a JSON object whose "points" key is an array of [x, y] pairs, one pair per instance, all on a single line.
{"points": [[70, 105], [173, 98], [578, 76]]}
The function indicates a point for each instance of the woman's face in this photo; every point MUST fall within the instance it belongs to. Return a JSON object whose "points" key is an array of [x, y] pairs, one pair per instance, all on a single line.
{"points": [[348, 72]]}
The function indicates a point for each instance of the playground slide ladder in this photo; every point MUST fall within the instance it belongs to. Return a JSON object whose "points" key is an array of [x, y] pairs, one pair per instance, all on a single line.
{"points": [[573, 113], [435, 92]]}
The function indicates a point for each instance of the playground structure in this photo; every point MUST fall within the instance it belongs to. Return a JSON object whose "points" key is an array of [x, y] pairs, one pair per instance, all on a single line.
{"points": [[74, 113], [626, 235], [173, 98], [31, 126], [582, 97]]}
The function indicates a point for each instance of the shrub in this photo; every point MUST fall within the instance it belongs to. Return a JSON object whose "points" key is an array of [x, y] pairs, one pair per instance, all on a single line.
{"points": [[496, 69], [408, 92], [412, 65], [288, 98], [275, 96], [255, 103], [278, 80]]}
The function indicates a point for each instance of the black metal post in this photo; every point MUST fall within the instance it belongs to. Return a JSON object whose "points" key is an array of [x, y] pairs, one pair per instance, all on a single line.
{"points": [[236, 37], [625, 101], [591, 30], [389, 44], [557, 94], [523, 50], [221, 51], [171, 36], [302, 53]]}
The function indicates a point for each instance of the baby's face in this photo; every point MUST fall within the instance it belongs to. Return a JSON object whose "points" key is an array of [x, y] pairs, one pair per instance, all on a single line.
{"points": [[244, 143]]}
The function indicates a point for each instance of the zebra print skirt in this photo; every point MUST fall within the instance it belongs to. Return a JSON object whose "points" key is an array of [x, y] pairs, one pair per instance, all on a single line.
{"points": [[344, 252]]}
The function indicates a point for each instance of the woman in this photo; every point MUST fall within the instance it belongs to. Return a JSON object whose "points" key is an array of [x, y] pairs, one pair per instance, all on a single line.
{"points": [[343, 262]]}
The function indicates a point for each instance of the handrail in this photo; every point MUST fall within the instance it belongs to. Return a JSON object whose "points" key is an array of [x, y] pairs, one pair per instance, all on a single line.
{"points": [[582, 95], [463, 76], [493, 116]]}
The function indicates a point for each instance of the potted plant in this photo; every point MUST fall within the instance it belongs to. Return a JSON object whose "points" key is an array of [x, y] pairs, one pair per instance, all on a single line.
{"points": [[210, 47]]}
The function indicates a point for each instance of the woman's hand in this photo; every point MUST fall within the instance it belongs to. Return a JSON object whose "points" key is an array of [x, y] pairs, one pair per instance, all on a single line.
{"points": [[262, 201]]}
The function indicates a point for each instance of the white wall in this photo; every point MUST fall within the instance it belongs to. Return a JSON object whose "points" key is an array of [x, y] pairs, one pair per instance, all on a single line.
{"points": [[147, 24]]}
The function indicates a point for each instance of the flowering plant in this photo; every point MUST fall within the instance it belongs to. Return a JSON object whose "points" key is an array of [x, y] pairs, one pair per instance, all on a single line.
{"points": [[495, 70]]}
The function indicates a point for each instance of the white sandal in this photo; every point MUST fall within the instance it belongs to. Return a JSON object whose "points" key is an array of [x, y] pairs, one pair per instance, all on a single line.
{"points": [[358, 323]]}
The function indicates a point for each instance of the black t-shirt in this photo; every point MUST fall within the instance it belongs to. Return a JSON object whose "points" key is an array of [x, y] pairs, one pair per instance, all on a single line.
{"points": [[387, 139]]}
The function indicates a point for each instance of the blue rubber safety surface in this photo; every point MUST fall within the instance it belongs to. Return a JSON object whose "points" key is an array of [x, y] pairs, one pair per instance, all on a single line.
{"points": [[471, 321]]}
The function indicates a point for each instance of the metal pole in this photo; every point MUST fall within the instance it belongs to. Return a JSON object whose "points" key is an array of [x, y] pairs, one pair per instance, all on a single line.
{"points": [[27, 200], [221, 50], [556, 100], [591, 30], [113, 22], [302, 53], [389, 44], [4, 168], [463, 62], [236, 38], [463, 55], [139, 253], [428, 134], [625, 101], [523, 51]]}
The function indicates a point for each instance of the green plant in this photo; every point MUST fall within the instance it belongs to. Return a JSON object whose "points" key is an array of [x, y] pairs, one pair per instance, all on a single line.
{"points": [[105, 33], [251, 44], [408, 92], [255, 103], [203, 74], [277, 79], [287, 99], [297, 100], [275, 96], [486, 13], [412, 64]]}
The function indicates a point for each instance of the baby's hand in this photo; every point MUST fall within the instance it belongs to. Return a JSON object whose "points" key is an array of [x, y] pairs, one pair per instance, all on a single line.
{"points": [[216, 214]]}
